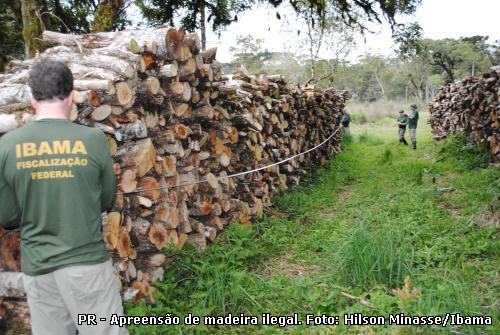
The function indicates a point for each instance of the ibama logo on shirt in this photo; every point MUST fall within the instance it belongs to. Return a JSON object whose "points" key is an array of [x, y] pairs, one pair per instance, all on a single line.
{"points": [[65, 147]]}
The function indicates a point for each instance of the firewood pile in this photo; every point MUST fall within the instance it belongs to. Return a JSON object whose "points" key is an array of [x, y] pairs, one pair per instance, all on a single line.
{"points": [[177, 128], [472, 107]]}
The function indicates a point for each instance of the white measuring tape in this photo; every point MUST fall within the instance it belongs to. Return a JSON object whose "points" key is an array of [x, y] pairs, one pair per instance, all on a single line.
{"points": [[239, 173]]}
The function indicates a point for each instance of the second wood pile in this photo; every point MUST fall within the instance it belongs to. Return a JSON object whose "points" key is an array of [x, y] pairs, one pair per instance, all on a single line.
{"points": [[176, 128], [470, 106]]}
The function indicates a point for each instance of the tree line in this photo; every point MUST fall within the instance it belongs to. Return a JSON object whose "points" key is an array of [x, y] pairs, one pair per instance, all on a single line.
{"points": [[410, 74]]}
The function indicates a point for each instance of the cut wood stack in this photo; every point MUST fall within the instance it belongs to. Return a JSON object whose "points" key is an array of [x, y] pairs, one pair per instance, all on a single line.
{"points": [[470, 106], [176, 129]]}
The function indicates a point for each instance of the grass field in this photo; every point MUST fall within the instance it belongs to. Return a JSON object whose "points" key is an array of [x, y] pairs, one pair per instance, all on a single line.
{"points": [[345, 242]]}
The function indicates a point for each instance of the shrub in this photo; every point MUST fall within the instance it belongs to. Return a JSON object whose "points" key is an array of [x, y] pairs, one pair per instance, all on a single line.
{"points": [[466, 155]]}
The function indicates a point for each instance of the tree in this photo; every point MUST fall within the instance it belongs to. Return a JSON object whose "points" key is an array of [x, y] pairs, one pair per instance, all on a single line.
{"points": [[192, 14], [314, 36], [32, 25], [221, 13], [83, 16], [10, 34], [249, 53], [329, 38], [30, 17], [356, 13], [107, 15], [338, 44], [453, 58]]}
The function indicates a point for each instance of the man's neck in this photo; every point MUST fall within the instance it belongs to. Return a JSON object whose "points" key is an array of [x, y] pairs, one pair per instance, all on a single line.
{"points": [[51, 111], [41, 116]]}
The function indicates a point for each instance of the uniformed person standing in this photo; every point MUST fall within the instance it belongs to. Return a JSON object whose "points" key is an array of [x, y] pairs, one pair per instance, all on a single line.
{"points": [[56, 177], [412, 125], [346, 120], [402, 123]]}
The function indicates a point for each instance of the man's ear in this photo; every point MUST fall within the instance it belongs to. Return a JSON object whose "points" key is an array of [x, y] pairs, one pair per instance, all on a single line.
{"points": [[70, 99], [34, 103]]}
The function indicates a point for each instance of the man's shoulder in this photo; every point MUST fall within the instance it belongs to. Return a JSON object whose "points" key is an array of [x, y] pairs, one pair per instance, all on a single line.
{"points": [[89, 131], [14, 135], [27, 131]]}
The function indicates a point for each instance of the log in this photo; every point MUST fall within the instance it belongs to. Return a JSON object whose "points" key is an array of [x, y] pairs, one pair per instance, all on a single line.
{"points": [[188, 68], [10, 122], [96, 85], [129, 40], [168, 70], [175, 45], [180, 109], [209, 55], [206, 111], [95, 60], [14, 94], [101, 112], [10, 259], [11, 284], [140, 154], [150, 86], [193, 42], [124, 94]]}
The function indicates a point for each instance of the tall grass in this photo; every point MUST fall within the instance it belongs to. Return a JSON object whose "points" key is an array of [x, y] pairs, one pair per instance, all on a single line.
{"points": [[375, 256]]}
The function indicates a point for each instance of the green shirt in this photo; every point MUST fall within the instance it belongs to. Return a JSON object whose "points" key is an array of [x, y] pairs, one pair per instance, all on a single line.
{"points": [[404, 120], [56, 177], [412, 122]]}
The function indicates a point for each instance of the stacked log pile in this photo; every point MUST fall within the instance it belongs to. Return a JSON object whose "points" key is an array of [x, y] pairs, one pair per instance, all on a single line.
{"points": [[472, 107], [177, 128]]}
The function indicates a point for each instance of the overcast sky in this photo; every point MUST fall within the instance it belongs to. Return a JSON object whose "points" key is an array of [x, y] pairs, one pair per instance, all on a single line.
{"points": [[438, 18]]}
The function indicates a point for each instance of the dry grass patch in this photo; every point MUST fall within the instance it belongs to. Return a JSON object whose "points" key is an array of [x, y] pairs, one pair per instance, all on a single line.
{"points": [[282, 265]]}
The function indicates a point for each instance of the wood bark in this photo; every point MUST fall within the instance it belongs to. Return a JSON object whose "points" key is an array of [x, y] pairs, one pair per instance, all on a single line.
{"points": [[32, 28]]}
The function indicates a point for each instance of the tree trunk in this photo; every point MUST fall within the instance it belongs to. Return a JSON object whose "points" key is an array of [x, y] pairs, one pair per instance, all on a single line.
{"points": [[379, 83], [202, 26], [32, 29]]}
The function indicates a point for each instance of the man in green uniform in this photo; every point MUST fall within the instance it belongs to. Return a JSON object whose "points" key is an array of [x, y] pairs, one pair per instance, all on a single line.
{"points": [[346, 120], [412, 124], [56, 177], [402, 122]]}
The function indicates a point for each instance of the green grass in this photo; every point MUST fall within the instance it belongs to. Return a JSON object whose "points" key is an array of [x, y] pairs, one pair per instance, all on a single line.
{"points": [[348, 237], [463, 153]]}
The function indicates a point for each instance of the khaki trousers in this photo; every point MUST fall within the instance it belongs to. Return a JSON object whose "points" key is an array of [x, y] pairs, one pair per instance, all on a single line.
{"points": [[402, 133], [58, 300], [413, 136]]}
